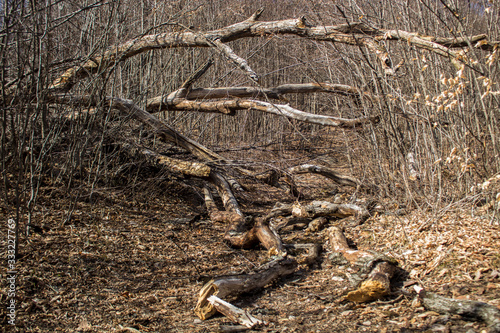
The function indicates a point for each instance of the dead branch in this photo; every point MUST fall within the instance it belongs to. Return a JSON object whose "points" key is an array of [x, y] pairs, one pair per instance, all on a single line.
{"points": [[229, 106], [319, 208], [325, 172], [185, 167], [185, 87], [159, 102], [234, 285], [130, 109], [239, 61], [374, 270], [313, 251], [469, 309], [235, 314], [238, 233], [352, 33]]}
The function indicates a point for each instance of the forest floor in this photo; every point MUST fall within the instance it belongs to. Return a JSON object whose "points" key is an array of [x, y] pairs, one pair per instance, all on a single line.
{"points": [[120, 264]]}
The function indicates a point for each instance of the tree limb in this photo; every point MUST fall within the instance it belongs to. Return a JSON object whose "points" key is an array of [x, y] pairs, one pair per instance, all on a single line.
{"points": [[156, 103], [229, 106], [353, 34]]}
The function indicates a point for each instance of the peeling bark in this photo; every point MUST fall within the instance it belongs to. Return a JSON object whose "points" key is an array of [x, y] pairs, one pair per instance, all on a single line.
{"points": [[326, 172], [319, 208], [160, 102]]}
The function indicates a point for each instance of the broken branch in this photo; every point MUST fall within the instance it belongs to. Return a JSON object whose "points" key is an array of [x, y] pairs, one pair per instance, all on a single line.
{"points": [[375, 270], [156, 103], [469, 309], [228, 106], [237, 284]]}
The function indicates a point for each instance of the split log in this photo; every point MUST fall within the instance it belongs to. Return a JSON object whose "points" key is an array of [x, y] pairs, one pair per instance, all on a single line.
{"points": [[223, 287], [466, 308], [374, 270]]}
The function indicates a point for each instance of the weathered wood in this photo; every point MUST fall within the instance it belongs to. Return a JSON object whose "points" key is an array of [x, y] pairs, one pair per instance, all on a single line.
{"points": [[325, 172], [466, 308], [237, 284], [352, 33], [235, 314], [130, 109], [319, 208], [159, 102], [229, 106], [185, 167], [239, 61], [317, 224], [374, 270], [238, 233], [312, 255]]}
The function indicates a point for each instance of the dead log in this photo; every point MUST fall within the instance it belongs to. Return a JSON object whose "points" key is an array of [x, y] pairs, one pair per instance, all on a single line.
{"points": [[238, 233], [185, 167], [312, 255], [319, 208], [230, 106], [186, 86], [159, 102], [224, 287], [468, 309], [374, 270]]}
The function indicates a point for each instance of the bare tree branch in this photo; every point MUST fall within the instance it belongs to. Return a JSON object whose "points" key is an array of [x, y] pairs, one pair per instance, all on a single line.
{"points": [[229, 106], [155, 103], [353, 34]]}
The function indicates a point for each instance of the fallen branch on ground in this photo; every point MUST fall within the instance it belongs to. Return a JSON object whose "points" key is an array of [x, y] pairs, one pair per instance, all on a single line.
{"points": [[223, 287], [374, 270], [466, 308]]}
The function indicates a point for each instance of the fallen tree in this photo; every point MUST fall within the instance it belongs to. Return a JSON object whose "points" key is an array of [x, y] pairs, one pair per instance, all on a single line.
{"points": [[375, 270], [468, 309]]}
